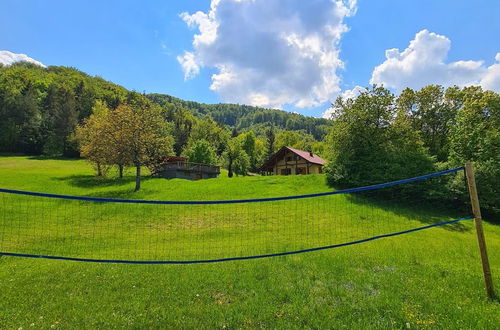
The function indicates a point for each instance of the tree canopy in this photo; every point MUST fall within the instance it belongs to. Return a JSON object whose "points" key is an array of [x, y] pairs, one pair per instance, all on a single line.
{"points": [[378, 137], [133, 134]]}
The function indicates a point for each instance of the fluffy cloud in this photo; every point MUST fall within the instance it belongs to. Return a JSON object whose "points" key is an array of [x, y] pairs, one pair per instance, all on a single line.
{"points": [[189, 65], [269, 53], [423, 63], [346, 94], [491, 79], [7, 58]]}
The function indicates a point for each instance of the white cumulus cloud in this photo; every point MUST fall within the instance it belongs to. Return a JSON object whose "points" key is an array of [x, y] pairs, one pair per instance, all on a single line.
{"points": [[189, 65], [491, 79], [423, 62], [346, 94], [7, 58], [269, 52]]}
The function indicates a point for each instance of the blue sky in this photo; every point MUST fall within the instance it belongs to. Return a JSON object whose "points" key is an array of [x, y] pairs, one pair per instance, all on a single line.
{"points": [[291, 54]]}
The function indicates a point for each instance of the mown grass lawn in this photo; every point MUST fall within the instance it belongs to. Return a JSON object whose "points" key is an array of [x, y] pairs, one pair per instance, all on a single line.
{"points": [[424, 279]]}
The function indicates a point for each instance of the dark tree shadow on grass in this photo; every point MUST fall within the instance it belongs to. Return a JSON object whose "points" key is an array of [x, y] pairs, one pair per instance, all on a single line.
{"points": [[53, 158], [119, 194], [423, 211], [91, 181]]}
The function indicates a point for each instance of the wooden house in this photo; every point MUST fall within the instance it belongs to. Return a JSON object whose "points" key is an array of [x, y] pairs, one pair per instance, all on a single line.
{"points": [[290, 161]]}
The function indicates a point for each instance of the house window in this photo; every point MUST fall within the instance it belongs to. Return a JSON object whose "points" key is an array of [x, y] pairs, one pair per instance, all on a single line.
{"points": [[286, 171], [297, 157], [301, 170], [288, 159]]}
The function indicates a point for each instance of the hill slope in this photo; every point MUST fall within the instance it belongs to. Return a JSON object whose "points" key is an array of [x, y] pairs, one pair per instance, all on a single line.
{"points": [[245, 117], [40, 108], [422, 279]]}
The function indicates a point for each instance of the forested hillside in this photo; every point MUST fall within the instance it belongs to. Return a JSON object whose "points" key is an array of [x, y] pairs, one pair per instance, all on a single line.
{"points": [[41, 107], [245, 117], [375, 137]]}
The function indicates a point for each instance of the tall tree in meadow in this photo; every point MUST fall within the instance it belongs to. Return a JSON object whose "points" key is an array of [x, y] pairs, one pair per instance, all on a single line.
{"points": [[236, 159], [94, 139], [241, 163], [142, 133]]}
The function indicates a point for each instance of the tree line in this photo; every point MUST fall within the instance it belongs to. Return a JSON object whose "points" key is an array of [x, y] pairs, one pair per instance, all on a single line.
{"points": [[245, 117], [141, 133], [379, 137], [373, 138], [41, 108]]}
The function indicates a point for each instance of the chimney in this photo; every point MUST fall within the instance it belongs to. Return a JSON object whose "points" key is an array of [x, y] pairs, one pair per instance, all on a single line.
{"points": [[311, 154]]}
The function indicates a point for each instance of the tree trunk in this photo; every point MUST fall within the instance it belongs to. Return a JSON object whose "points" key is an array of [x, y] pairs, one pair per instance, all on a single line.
{"points": [[120, 171], [99, 171], [137, 178], [230, 169]]}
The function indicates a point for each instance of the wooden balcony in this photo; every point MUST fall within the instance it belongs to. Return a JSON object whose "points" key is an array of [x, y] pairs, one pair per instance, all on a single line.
{"points": [[191, 167], [186, 170]]}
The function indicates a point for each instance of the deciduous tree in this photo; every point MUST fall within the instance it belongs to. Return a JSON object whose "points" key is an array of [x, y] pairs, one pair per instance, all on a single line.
{"points": [[236, 159], [93, 139], [369, 143], [201, 152], [142, 135]]}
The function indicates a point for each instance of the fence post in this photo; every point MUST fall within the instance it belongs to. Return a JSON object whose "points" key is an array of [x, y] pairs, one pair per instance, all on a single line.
{"points": [[476, 211]]}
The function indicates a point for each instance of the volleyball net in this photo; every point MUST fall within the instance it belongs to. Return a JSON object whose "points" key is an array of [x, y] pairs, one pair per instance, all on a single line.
{"points": [[95, 229]]}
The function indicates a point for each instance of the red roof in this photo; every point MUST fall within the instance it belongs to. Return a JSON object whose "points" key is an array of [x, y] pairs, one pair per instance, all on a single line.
{"points": [[309, 156]]}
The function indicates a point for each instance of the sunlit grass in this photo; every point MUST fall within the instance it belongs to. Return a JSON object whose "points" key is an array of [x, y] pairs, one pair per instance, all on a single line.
{"points": [[428, 278]]}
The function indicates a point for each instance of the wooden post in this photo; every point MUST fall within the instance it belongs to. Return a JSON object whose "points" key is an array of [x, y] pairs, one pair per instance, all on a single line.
{"points": [[476, 211]]}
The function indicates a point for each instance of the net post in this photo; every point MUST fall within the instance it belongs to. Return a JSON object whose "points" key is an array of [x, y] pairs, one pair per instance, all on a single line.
{"points": [[476, 211]]}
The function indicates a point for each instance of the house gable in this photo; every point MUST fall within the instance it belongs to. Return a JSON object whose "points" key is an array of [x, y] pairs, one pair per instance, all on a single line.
{"points": [[293, 161]]}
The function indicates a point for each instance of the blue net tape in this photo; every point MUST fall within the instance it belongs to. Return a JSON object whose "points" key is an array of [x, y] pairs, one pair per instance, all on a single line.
{"points": [[27, 233], [235, 201], [238, 258]]}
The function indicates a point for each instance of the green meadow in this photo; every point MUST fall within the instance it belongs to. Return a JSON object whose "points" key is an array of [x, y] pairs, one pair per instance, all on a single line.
{"points": [[430, 278]]}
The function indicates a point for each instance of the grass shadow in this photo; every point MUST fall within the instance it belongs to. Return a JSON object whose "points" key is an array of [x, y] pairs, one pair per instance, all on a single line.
{"points": [[40, 157], [120, 194], [90, 181], [424, 212]]}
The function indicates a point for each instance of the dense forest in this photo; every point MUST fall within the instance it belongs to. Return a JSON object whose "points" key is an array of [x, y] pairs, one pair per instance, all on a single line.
{"points": [[375, 137], [378, 137], [246, 118], [41, 107]]}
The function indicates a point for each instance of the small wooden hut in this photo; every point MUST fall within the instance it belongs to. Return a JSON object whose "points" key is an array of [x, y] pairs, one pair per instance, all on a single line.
{"points": [[171, 167]]}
